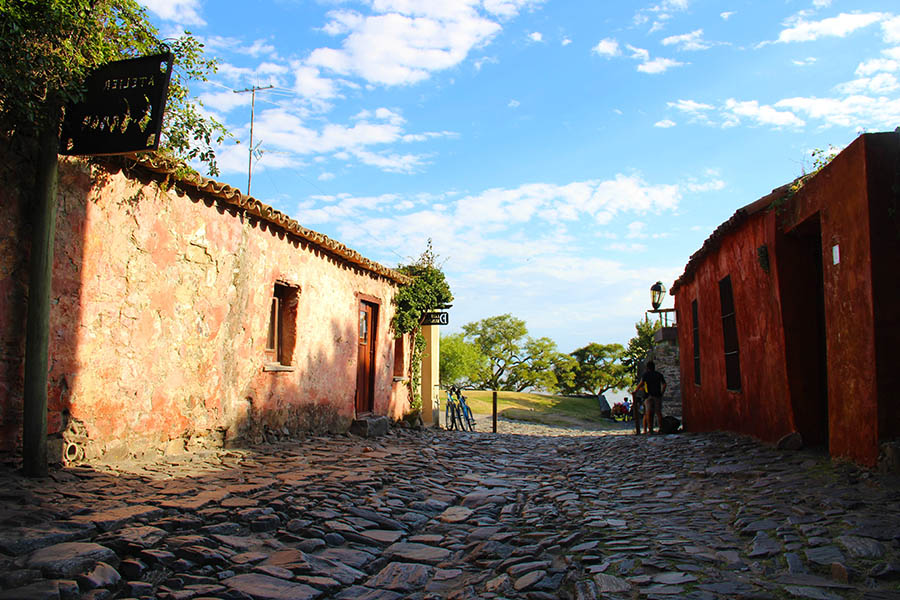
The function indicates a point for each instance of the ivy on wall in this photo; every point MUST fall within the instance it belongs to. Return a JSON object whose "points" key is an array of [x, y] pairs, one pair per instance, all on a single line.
{"points": [[427, 291]]}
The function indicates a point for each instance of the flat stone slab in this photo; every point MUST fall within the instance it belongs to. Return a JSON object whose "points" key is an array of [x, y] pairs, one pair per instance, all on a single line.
{"points": [[455, 514], [381, 536], [862, 547], [417, 552], [825, 555], [23, 540], [68, 559], [401, 577], [610, 584], [114, 518], [265, 587]]}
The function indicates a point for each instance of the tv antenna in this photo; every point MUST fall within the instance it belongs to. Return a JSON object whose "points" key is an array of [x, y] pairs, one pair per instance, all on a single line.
{"points": [[252, 91]]}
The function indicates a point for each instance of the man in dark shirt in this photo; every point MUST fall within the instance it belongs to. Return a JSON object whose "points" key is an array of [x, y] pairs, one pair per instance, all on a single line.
{"points": [[655, 385]]}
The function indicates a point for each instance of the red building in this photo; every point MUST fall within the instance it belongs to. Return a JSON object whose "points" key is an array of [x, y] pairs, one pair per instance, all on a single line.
{"points": [[184, 312], [788, 314]]}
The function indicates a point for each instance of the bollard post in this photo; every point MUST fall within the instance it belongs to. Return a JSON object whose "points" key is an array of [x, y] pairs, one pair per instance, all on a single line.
{"points": [[495, 411]]}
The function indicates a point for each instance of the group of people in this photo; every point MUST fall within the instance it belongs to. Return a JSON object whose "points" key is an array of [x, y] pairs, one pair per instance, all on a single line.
{"points": [[652, 386]]}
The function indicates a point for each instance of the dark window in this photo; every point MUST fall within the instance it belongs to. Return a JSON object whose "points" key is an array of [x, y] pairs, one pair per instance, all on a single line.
{"points": [[282, 324], [729, 331], [696, 331]]}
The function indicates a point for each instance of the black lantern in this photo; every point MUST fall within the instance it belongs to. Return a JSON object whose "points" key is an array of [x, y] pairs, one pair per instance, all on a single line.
{"points": [[657, 293]]}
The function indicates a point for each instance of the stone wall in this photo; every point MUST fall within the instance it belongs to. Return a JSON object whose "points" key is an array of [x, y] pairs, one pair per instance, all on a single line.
{"points": [[160, 315], [665, 356]]}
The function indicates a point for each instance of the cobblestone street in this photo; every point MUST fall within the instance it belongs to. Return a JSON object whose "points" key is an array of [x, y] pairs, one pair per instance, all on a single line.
{"points": [[538, 514]]}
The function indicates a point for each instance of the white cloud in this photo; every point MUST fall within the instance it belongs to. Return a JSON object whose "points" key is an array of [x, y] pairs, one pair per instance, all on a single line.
{"points": [[536, 36], [224, 101], [688, 41], [405, 41], [638, 53], [839, 26], [632, 247], [326, 176], [665, 124], [286, 137], [565, 41], [821, 3], [513, 103], [658, 65], [181, 11], [805, 62], [690, 106], [853, 111], [891, 29], [761, 114], [635, 229], [607, 47], [882, 83], [712, 185], [309, 83], [877, 65], [726, 15]]}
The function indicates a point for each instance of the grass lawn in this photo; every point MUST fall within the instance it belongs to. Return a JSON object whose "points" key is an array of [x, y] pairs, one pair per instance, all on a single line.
{"points": [[541, 408]]}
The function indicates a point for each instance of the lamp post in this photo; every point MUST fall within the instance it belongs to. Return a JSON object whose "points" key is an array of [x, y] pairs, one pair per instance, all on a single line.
{"points": [[657, 293]]}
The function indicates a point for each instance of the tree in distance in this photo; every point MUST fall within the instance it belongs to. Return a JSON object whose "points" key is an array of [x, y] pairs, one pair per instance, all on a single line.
{"points": [[639, 347], [511, 360], [459, 360], [48, 47], [596, 369]]}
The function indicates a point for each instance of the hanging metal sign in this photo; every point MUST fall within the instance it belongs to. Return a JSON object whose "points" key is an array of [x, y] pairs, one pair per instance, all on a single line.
{"points": [[436, 318], [122, 110]]}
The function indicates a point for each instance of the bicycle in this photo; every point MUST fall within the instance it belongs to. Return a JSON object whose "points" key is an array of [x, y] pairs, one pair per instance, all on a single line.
{"points": [[457, 413]]}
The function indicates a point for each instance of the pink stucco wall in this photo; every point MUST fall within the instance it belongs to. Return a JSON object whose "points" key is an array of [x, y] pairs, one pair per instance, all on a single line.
{"points": [[160, 315]]}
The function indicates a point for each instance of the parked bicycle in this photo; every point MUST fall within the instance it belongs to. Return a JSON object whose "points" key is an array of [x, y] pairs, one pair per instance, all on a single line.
{"points": [[457, 414]]}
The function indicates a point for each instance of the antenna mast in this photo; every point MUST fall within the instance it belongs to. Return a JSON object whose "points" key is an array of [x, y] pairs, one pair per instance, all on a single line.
{"points": [[252, 91]]}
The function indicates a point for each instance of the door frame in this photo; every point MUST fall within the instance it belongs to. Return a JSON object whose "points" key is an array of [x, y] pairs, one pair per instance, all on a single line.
{"points": [[364, 400]]}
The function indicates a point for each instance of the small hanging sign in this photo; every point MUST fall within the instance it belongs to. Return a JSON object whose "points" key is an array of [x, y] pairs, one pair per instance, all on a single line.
{"points": [[436, 318], [122, 110]]}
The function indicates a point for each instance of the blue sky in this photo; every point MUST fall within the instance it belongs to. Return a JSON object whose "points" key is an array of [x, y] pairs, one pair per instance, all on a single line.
{"points": [[563, 156]]}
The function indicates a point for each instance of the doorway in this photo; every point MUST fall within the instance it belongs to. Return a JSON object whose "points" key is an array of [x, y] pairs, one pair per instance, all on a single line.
{"points": [[803, 315], [365, 371]]}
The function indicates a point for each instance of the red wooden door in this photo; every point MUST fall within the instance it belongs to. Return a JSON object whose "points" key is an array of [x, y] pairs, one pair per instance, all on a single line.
{"points": [[365, 374]]}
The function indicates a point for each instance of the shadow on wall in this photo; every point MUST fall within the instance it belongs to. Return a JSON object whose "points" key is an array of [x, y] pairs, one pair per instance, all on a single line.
{"points": [[16, 225]]}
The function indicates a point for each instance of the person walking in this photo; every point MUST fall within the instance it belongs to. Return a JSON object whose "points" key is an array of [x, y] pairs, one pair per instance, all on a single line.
{"points": [[655, 386]]}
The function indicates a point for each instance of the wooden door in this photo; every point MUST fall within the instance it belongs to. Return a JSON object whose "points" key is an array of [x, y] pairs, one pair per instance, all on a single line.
{"points": [[365, 375]]}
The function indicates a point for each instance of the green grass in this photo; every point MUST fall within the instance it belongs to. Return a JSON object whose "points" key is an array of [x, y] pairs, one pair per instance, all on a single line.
{"points": [[518, 405]]}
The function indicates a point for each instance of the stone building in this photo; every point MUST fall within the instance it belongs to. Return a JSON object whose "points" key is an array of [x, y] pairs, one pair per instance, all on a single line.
{"points": [[787, 316], [186, 313]]}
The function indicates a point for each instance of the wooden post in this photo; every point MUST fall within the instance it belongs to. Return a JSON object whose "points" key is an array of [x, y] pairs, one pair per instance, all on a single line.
{"points": [[37, 327], [495, 411]]}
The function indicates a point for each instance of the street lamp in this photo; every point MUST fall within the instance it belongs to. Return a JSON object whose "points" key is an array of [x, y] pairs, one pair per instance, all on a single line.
{"points": [[657, 294]]}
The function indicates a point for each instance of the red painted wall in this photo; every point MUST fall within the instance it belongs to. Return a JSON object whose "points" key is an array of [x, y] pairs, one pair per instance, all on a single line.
{"points": [[854, 204], [160, 316], [838, 197], [760, 407]]}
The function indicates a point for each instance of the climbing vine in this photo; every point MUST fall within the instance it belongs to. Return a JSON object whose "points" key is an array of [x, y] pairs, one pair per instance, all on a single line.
{"points": [[820, 158], [426, 291]]}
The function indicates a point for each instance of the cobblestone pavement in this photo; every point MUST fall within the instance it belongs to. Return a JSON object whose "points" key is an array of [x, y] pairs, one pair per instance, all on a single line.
{"points": [[458, 515]]}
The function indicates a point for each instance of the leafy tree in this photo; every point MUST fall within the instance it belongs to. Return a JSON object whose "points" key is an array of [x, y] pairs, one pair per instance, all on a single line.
{"points": [[564, 367], [536, 368], [599, 368], [513, 361], [48, 47], [639, 346], [459, 360]]}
